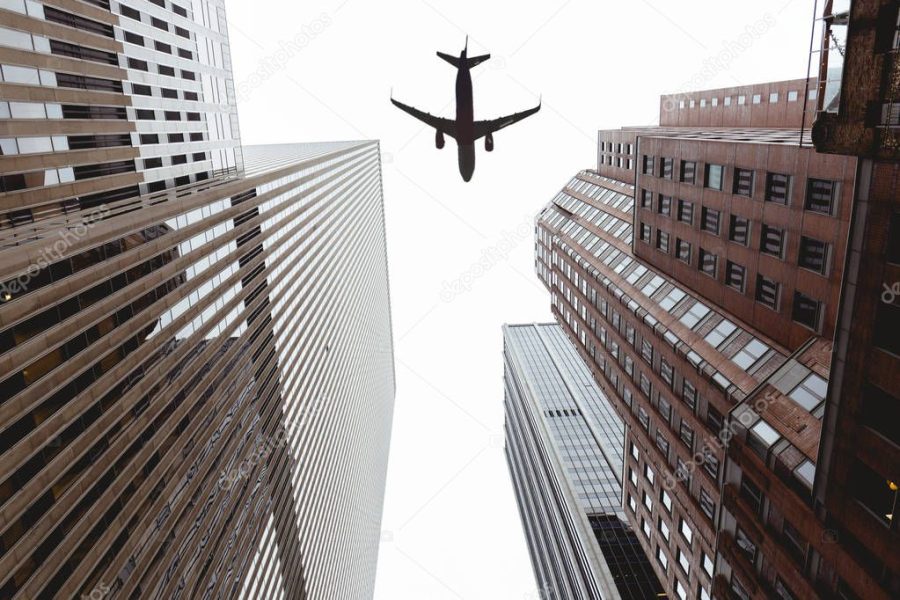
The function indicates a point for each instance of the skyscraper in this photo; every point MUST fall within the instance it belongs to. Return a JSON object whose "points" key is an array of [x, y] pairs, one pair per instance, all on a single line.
{"points": [[564, 445], [698, 269], [197, 371]]}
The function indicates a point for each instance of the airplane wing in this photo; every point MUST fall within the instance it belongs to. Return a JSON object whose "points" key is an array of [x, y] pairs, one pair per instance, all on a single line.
{"points": [[482, 128], [445, 125]]}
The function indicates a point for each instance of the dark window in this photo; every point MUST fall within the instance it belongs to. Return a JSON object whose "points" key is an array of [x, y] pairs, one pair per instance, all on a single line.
{"points": [[743, 182], [664, 206], [198, 156], [645, 232], [689, 394], [778, 188], [751, 494], [745, 544], [166, 70], [145, 114], [813, 255], [168, 93], [668, 166], [75, 111], [80, 142], [193, 116], [767, 292], [133, 38], [74, 51], [176, 137], [739, 230], [887, 324], [185, 53], [686, 212], [140, 65], [683, 250], [88, 83], [149, 138], [141, 90], [662, 241], [196, 136], [646, 199], [152, 163], [708, 262], [172, 115], [129, 12], [159, 23], [710, 220], [710, 463], [873, 491], [190, 96], [103, 169], [820, 196], [715, 175], [188, 75], [161, 47], [647, 167], [182, 32], [772, 241], [688, 171], [78, 22], [178, 10], [714, 419], [881, 412], [735, 276], [179, 159]]}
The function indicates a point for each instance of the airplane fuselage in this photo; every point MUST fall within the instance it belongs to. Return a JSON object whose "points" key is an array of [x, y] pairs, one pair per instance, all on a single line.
{"points": [[465, 121]]}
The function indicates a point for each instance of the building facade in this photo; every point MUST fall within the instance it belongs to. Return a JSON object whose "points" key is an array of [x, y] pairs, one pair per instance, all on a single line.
{"points": [[564, 446], [698, 269], [196, 367]]}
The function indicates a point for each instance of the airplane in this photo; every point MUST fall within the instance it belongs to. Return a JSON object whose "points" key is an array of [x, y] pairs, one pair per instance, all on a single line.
{"points": [[465, 130]]}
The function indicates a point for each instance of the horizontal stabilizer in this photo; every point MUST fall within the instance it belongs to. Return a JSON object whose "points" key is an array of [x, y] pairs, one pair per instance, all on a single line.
{"points": [[470, 62]]}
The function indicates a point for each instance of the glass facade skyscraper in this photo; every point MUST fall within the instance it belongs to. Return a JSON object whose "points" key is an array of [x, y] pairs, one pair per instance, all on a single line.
{"points": [[564, 446], [196, 364]]}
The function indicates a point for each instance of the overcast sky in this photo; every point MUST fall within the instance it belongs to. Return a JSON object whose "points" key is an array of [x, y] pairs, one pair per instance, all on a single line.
{"points": [[461, 254]]}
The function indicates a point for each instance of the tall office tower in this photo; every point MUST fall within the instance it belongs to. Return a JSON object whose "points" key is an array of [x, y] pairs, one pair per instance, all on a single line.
{"points": [[564, 449], [196, 374], [698, 270]]}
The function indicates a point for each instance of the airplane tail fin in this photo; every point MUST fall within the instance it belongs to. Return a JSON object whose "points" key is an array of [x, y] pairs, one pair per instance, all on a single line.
{"points": [[470, 62]]}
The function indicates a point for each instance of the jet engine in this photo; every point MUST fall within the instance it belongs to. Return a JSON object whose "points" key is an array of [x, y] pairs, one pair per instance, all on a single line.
{"points": [[438, 139], [489, 142]]}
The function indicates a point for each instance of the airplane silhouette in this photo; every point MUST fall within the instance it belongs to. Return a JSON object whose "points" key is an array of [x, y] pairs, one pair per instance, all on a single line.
{"points": [[465, 130]]}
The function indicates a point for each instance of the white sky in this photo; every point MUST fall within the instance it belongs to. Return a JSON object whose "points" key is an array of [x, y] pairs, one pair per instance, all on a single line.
{"points": [[451, 526]]}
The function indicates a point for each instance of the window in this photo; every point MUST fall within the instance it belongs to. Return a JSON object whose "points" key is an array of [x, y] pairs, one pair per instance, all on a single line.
{"points": [[662, 241], [662, 443], [645, 232], [664, 408], [739, 230], [684, 563], [647, 167], [688, 171], [646, 198], [666, 501], [880, 412], [689, 394], [686, 434], [792, 96], [767, 292], [144, 114], [820, 196], [873, 491], [632, 504], [683, 250], [744, 543], [714, 419], [663, 529], [773, 98], [133, 38], [664, 206], [751, 494], [686, 212], [633, 477], [149, 138], [772, 241], [648, 473], [159, 23], [646, 388], [668, 167], [686, 532], [129, 12], [702, 102], [635, 453], [161, 47], [727, 100], [735, 276], [644, 418], [743, 182], [707, 505], [710, 220], [660, 555], [807, 311], [667, 372], [710, 463], [165, 70], [647, 351], [707, 565], [757, 98], [648, 502], [714, 176], [741, 100], [778, 188], [708, 262], [814, 255]]}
